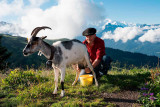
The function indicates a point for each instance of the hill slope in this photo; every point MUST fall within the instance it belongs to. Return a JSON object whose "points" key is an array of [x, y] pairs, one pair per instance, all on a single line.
{"points": [[128, 58], [17, 44]]}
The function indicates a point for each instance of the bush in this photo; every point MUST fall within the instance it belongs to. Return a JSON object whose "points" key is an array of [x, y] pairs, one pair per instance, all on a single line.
{"points": [[22, 79], [150, 91]]}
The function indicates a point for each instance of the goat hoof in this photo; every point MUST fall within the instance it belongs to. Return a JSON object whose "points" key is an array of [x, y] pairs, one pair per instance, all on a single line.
{"points": [[61, 96], [62, 93], [73, 84], [97, 85], [54, 95]]}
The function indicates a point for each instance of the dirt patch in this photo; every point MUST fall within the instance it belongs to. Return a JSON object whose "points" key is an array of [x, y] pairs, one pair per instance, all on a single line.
{"points": [[123, 98]]}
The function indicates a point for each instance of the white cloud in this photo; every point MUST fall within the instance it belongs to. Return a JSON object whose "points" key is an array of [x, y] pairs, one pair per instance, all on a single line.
{"points": [[151, 27], [12, 9], [11, 29], [151, 36], [67, 20], [36, 3], [124, 34], [150, 33]]}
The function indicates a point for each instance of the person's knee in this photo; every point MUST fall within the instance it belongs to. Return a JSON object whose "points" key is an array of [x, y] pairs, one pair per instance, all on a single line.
{"points": [[106, 64], [107, 59]]}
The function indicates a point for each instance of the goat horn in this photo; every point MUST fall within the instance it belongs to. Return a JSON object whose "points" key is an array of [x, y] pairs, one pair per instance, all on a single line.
{"points": [[37, 29]]}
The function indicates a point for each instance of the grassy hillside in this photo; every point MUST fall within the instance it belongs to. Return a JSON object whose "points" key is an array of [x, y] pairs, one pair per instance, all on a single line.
{"points": [[34, 88], [128, 88], [17, 44]]}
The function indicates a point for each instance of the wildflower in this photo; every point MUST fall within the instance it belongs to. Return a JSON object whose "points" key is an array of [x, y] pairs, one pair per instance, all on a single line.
{"points": [[157, 74], [144, 88], [146, 83], [151, 94], [152, 98], [145, 94]]}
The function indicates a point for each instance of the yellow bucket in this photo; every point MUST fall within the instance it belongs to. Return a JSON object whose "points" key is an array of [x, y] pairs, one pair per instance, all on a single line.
{"points": [[86, 80]]}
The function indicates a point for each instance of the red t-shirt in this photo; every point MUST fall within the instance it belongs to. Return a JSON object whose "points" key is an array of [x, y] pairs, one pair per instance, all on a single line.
{"points": [[97, 51]]}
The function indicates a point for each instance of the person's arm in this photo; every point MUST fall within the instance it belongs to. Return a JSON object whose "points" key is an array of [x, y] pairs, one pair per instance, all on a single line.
{"points": [[100, 52], [94, 64]]}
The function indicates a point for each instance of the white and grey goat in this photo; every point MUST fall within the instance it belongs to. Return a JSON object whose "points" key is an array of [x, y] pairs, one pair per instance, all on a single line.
{"points": [[61, 53]]}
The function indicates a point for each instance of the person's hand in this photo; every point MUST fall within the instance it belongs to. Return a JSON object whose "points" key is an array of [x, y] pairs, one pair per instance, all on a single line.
{"points": [[87, 70], [77, 67]]}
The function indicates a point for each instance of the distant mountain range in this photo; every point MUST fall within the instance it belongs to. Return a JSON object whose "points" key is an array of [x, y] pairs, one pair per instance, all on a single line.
{"points": [[140, 38], [11, 29], [16, 44]]}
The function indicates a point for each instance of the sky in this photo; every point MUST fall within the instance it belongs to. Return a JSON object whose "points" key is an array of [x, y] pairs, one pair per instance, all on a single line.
{"points": [[130, 11], [133, 11], [69, 18]]}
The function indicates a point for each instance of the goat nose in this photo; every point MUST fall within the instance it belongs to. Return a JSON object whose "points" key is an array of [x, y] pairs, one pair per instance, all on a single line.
{"points": [[24, 52]]}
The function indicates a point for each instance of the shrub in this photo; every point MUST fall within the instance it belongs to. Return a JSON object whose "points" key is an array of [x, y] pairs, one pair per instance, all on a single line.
{"points": [[150, 91], [21, 79]]}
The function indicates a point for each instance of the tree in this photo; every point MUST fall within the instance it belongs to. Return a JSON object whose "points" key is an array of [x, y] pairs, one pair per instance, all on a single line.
{"points": [[4, 55]]}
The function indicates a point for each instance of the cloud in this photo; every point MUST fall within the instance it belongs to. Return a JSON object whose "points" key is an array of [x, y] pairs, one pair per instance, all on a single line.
{"points": [[11, 29], [67, 19], [151, 36], [124, 34], [129, 31], [12, 9], [36, 3]]}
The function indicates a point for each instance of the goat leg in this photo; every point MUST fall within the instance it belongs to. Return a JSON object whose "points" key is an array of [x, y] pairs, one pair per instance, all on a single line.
{"points": [[56, 75], [94, 75], [62, 81], [77, 76]]}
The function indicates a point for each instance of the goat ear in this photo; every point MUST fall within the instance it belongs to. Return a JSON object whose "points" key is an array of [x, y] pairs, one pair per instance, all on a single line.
{"points": [[43, 37]]}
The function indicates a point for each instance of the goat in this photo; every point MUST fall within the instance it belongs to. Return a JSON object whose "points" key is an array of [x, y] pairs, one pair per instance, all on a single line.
{"points": [[61, 53]]}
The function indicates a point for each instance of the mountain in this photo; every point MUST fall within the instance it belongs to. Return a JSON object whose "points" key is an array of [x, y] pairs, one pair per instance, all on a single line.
{"points": [[140, 38], [16, 44], [129, 59], [2, 23], [11, 29]]}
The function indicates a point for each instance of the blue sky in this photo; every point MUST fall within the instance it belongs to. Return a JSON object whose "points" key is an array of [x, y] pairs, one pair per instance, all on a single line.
{"points": [[69, 18], [137, 11], [131, 11]]}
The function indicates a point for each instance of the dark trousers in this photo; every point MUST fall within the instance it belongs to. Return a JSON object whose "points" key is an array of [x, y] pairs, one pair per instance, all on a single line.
{"points": [[103, 67]]}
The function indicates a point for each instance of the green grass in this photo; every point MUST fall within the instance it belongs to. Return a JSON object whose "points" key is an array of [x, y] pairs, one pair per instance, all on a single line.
{"points": [[35, 87]]}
